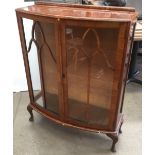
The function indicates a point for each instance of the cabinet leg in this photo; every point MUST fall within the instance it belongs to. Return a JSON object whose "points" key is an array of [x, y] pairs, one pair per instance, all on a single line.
{"points": [[120, 128], [114, 139], [29, 109]]}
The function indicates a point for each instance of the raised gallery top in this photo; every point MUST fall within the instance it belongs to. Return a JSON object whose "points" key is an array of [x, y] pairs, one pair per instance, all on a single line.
{"points": [[80, 12]]}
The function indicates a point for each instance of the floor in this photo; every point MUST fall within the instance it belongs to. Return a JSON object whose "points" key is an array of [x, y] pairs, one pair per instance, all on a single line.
{"points": [[43, 137]]}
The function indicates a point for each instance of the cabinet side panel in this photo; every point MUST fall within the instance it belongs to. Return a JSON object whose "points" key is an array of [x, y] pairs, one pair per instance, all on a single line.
{"points": [[120, 73]]}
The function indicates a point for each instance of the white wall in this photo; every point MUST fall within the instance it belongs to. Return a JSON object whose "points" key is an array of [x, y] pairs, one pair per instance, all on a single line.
{"points": [[11, 67]]}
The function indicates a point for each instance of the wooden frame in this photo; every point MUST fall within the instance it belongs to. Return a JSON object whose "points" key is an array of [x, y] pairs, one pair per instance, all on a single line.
{"points": [[39, 13]]}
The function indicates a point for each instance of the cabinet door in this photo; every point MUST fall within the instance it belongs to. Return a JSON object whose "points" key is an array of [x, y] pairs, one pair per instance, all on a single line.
{"points": [[92, 57], [43, 62]]}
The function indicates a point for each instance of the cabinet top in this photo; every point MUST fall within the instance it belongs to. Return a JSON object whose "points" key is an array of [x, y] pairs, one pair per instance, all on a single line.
{"points": [[81, 12]]}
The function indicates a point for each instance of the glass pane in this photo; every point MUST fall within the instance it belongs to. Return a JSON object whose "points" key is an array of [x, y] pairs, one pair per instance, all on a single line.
{"points": [[90, 69], [40, 40], [33, 59], [27, 29], [48, 56], [35, 71], [34, 68], [39, 100]]}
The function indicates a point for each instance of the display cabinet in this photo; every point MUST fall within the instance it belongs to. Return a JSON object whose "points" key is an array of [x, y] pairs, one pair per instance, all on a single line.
{"points": [[76, 61]]}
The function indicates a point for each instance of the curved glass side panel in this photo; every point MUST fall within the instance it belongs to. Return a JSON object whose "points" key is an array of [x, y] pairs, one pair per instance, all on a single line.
{"points": [[41, 42]]}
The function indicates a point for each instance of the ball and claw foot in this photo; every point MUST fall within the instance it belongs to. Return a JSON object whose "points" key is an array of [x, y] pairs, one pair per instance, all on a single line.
{"points": [[29, 108], [115, 140]]}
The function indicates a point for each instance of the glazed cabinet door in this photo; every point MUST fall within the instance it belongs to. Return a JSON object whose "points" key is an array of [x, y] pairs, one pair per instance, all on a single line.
{"points": [[41, 57], [93, 57]]}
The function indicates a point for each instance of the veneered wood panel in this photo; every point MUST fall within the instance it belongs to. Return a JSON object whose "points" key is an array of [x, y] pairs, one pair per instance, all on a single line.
{"points": [[80, 12]]}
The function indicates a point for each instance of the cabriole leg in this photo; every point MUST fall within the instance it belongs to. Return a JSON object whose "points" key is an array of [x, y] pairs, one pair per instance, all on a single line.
{"points": [[29, 108], [120, 128], [114, 139]]}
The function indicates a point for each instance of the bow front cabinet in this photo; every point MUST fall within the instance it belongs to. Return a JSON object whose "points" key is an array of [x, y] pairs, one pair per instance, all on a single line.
{"points": [[76, 60]]}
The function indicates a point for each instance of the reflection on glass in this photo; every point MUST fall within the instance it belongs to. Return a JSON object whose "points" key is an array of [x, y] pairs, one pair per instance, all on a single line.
{"points": [[90, 69]]}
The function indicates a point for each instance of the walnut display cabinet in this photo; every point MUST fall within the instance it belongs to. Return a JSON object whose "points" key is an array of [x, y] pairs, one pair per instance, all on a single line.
{"points": [[76, 60]]}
